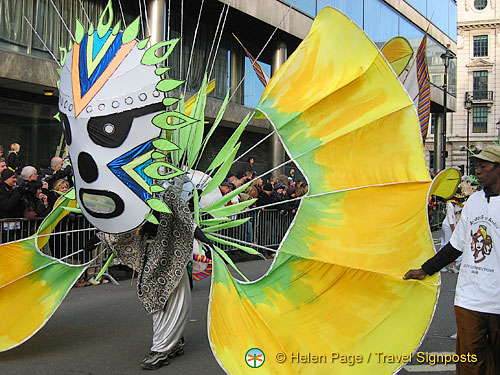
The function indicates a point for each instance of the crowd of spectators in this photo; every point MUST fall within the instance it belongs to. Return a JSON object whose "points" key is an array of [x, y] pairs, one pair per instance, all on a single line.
{"points": [[278, 192], [277, 199], [27, 191]]}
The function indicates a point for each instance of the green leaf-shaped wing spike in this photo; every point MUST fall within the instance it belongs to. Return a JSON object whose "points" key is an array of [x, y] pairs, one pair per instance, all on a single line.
{"points": [[102, 28], [158, 205], [171, 120], [152, 170], [150, 57], [197, 130], [161, 71], [164, 145], [170, 101], [159, 155], [231, 224], [232, 209], [70, 194], [246, 249], [156, 189], [220, 175], [79, 31], [73, 209], [116, 29], [196, 204], [224, 256], [217, 121], [226, 198], [167, 85], [143, 43], [177, 155], [64, 54], [215, 221], [132, 30], [222, 155], [151, 218]]}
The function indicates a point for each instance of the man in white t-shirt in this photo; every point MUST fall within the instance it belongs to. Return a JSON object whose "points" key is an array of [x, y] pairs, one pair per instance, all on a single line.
{"points": [[477, 296]]}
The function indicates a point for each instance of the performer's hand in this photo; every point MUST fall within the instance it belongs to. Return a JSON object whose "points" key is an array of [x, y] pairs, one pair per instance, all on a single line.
{"points": [[415, 274]]}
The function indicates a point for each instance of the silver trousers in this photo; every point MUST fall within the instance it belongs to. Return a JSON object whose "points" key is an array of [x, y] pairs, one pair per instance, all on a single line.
{"points": [[169, 323]]}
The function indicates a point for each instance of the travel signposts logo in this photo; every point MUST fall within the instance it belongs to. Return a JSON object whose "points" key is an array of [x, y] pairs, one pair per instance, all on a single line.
{"points": [[255, 358]]}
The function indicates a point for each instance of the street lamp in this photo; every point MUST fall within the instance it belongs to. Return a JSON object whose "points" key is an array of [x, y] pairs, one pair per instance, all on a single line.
{"points": [[447, 57], [468, 107]]}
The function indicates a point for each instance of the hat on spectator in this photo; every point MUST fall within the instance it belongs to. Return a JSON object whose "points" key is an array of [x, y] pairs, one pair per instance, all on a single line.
{"points": [[228, 184], [33, 186], [489, 153], [7, 173], [267, 187]]}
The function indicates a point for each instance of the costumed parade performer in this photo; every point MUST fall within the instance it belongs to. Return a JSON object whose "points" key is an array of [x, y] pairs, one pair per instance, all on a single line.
{"points": [[476, 238], [112, 141], [160, 253], [330, 104]]}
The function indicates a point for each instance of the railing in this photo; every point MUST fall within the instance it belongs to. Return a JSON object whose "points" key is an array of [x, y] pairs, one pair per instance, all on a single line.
{"points": [[479, 95], [266, 228], [66, 242]]}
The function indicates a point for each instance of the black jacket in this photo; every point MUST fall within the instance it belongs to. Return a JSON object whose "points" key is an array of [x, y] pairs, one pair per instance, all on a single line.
{"points": [[11, 202], [51, 176]]}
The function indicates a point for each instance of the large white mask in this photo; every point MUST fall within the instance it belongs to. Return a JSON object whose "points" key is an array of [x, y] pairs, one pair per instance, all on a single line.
{"points": [[107, 102]]}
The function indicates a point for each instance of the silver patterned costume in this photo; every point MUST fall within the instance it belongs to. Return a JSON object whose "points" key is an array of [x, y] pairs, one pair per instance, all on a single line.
{"points": [[163, 284]]}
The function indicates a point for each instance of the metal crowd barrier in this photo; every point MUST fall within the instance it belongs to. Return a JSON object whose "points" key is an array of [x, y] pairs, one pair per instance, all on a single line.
{"points": [[66, 241], [265, 228]]}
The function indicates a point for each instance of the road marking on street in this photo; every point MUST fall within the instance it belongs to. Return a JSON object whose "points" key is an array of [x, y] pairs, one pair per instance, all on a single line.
{"points": [[426, 367], [429, 368]]}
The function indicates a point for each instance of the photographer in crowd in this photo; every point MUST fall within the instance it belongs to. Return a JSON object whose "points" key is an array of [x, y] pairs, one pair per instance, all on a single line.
{"points": [[11, 197]]}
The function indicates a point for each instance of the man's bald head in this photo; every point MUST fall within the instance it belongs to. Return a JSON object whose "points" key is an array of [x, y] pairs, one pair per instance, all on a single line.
{"points": [[56, 163]]}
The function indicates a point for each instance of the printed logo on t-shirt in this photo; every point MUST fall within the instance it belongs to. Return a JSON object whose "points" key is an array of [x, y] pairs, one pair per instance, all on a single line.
{"points": [[481, 244]]}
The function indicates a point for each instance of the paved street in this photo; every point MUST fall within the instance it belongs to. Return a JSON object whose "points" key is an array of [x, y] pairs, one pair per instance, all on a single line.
{"points": [[104, 330]]}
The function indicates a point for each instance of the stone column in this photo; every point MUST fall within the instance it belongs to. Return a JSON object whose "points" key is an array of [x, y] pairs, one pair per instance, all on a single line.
{"points": [[277, 152], [237, 70], [157, 20]]}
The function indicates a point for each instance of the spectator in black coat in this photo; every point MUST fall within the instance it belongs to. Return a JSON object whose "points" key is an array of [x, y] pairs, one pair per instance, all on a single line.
{"points": [[266, 196], [3, 164], [11, 198], [13, 160], [36, 203]]}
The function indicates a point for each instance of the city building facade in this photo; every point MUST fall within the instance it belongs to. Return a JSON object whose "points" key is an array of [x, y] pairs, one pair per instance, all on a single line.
{"points": [[476, 121], [32, 32]]}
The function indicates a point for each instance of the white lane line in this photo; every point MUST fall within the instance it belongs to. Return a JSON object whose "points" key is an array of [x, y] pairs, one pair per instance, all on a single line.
{"points": [[429, 368], [426, 367]]}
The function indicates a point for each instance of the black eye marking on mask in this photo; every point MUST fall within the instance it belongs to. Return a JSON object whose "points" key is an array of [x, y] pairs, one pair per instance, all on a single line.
{"points": [[87, 167], [66, 128], [111, 131]]}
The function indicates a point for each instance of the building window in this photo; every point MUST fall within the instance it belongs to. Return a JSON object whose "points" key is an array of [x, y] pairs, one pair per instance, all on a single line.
{"points": [[480, 4], [480, 45], [480, 119], [433, 124], [480, 84], [437, 79]]}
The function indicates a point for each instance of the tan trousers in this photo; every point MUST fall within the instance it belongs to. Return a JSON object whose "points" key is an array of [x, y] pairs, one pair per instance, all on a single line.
{"points": [[478, 334]]}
